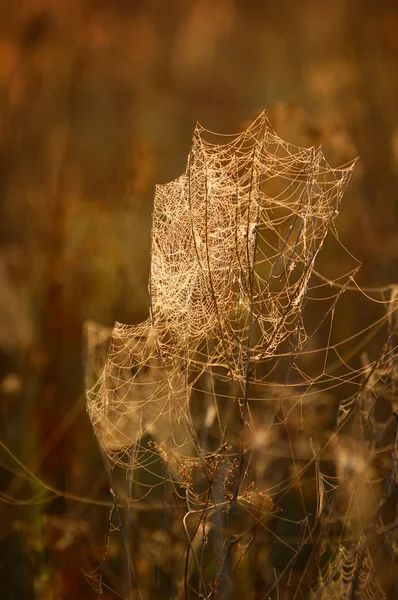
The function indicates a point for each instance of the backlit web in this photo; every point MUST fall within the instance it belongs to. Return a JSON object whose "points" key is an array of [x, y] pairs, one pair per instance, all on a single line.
{"points": [[234, 382]]}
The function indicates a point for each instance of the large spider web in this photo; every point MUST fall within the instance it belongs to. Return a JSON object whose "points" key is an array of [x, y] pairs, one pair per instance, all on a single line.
{"points": [[224, 382]]}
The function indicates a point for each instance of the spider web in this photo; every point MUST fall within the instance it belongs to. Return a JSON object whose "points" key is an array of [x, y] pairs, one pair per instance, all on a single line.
{"points": [[226, 383], [234, 242], [349, 575]]}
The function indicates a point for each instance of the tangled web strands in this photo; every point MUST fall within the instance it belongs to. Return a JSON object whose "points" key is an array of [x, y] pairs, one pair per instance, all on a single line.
{"points": [[349, 575], [247, 416], [234, 241]]}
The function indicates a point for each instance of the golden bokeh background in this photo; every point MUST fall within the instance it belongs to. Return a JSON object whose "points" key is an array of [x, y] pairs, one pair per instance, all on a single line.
{"points": [[98, 101]]}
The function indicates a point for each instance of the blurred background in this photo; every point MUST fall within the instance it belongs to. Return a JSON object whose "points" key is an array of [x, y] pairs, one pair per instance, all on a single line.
{"points": [[98, 101]]}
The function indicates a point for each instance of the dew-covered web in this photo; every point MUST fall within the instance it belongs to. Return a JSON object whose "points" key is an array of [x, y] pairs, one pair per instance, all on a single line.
{"points": [[277, 445]]}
